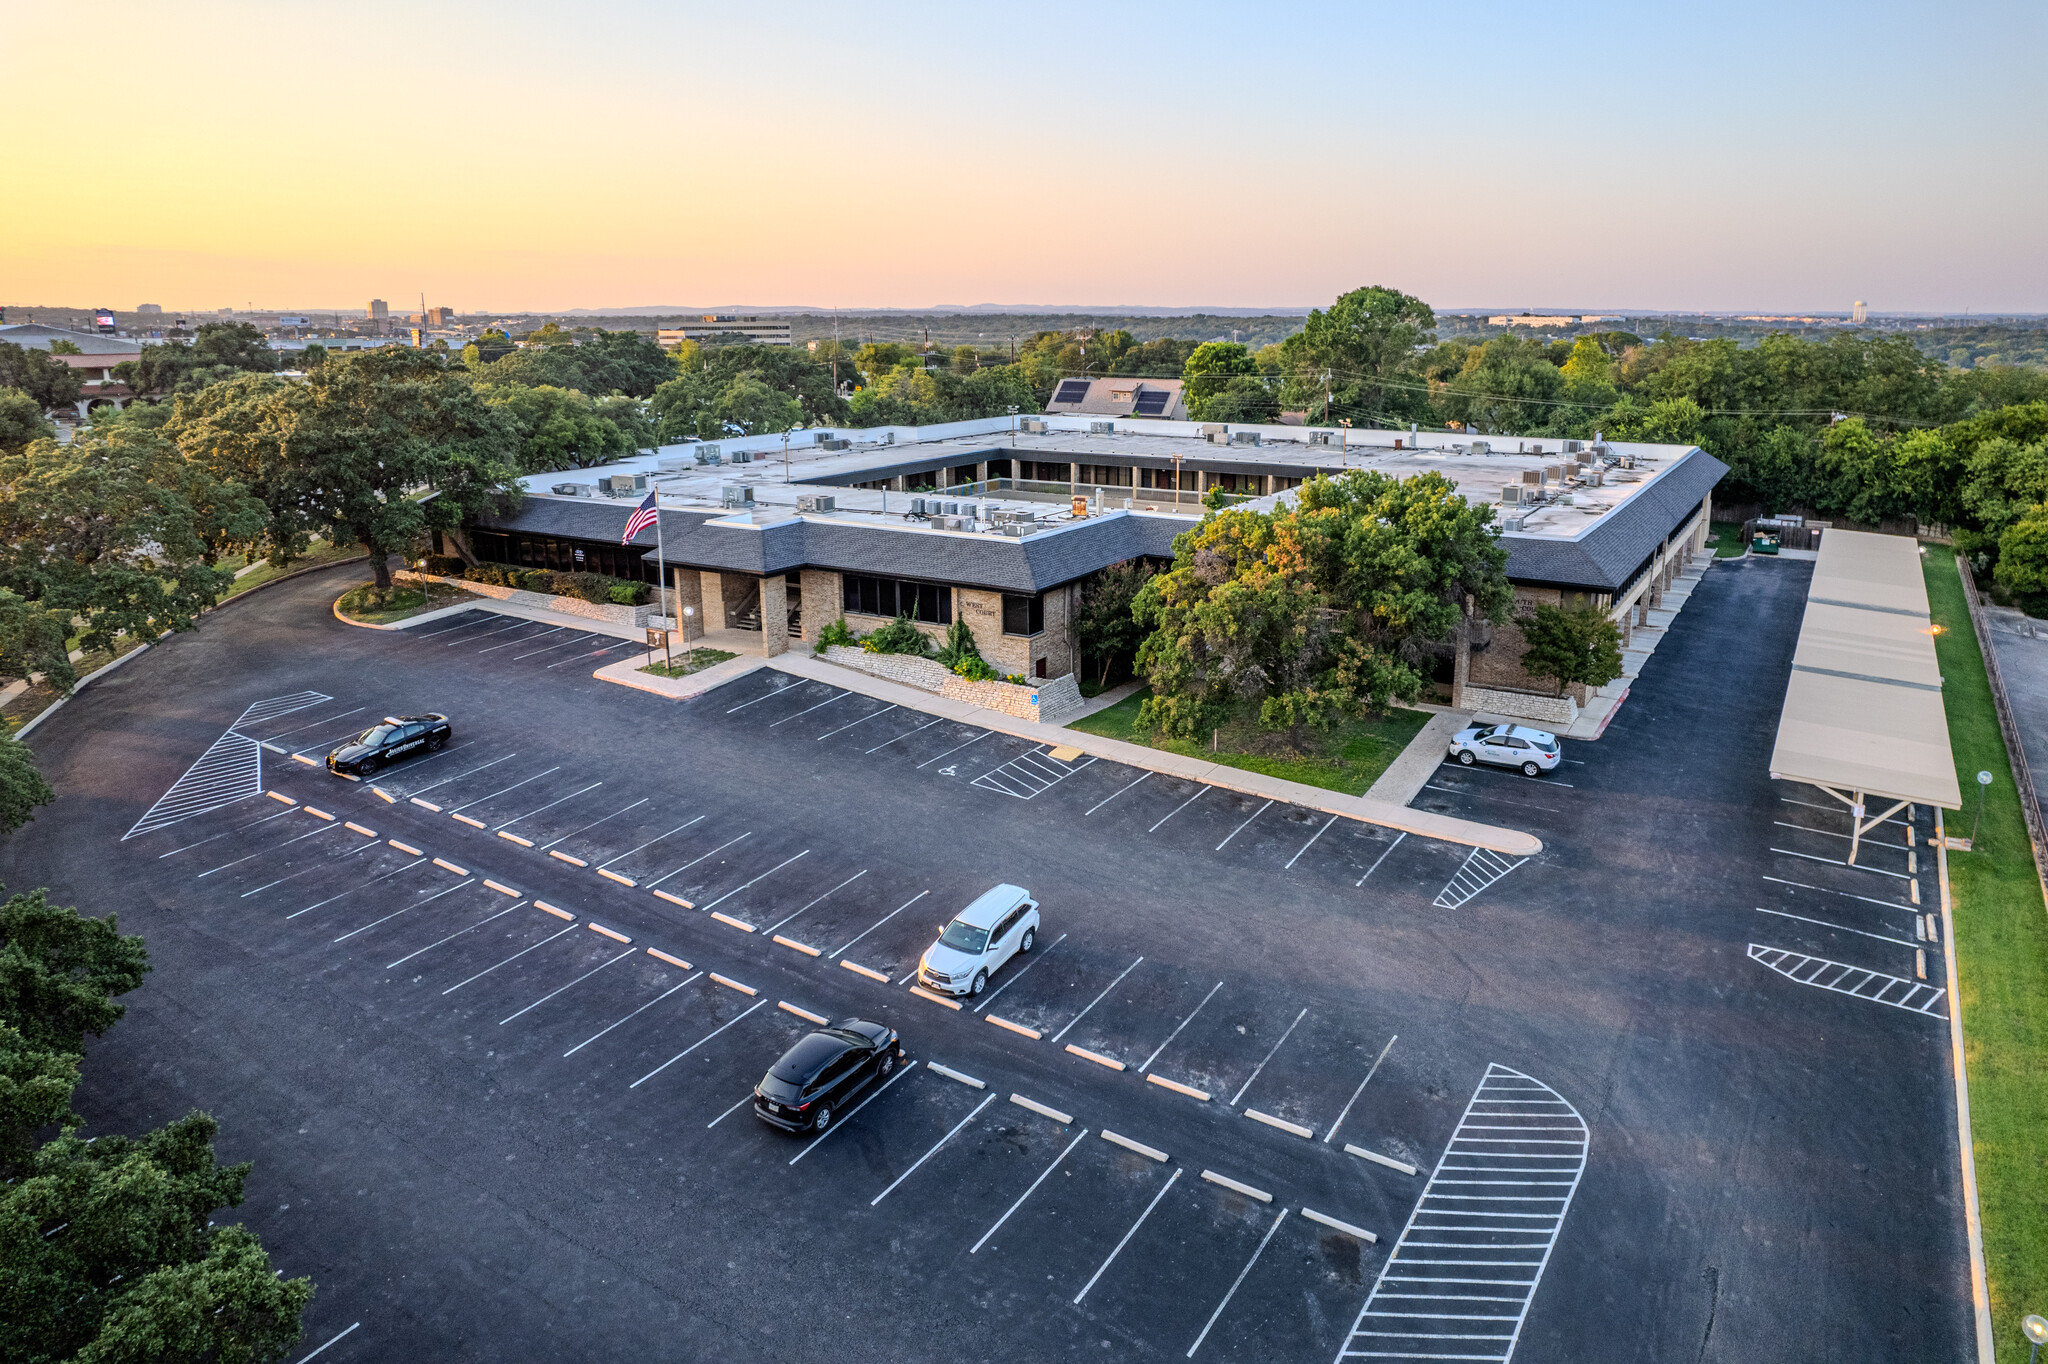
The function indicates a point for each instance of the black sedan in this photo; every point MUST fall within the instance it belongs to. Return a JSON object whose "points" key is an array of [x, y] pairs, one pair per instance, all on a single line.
{"points": [[380, 745], [817, 1077]]}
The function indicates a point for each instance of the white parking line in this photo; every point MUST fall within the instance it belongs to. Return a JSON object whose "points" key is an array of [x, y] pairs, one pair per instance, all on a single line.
{"points": [[635, 1014], [1200, 791], [648, 844], [352, 1326], [1836, 810], [759, 699], [360, 848], [884, 919], [1237, 1284], [1346, 1111], [934, 1151], [863, 720], [1269, 1056], [458, 776], [904, 735], [549, 806], [522, 639], [1098, 999], [552, 647], [762, 877], [410, 866], [747, 1098], [594, 823], [1839, 928], [1830, 833], [262, 852], [323, 720], [1311, 843], [1020, 974], [501, 790], [452, 936], [575, 658], [1853, 866], [1242, 827], [954, 749], [1382, 857], [839, 1126], [696, 1044], [1027, 1193], [1829, 890], [699, 858], [1178, 1172], [808, 709], [1113, 795], [459, 885], [770, 929], [629, 952], [1182, 1024], [514, 957]]}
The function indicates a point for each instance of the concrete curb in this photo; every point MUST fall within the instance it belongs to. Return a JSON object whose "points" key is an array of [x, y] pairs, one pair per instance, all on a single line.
{"points": [[1973, 1214], [1414, 765], [626, 673], [80, 685], [225, 603], [1511, 842], [406, 624]]}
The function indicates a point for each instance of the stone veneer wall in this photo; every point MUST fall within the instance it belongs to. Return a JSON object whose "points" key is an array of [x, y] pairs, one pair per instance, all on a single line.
{"points": [[634, 617], [1521, 705], [1046, 703]]}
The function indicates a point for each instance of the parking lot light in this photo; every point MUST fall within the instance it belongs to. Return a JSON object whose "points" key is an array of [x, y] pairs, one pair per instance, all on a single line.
{"points": [[2035, 1328]]}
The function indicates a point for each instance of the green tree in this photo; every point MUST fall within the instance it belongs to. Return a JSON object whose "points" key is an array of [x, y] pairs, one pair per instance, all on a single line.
{"points": [[2004, 482], [559, 428], [219, 350], [51, 382], [1107, 625], [1579, 646], [2023, 559], [60, 971], [1507, 386], [36, 1084], [1211, 372], [228, 1308], [22, 788], [1165, 357], [21, 421], [1365, 343]]}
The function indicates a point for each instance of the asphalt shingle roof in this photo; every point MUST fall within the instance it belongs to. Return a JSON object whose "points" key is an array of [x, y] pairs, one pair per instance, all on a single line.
{"points": [[1609, 554]]}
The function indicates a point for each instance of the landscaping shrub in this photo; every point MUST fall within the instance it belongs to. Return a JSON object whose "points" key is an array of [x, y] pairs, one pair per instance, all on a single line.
{"points": [[899, 636], [625, 593], [975, 668], [838, 632], [495, 575], [445, 565], [591, 587]]}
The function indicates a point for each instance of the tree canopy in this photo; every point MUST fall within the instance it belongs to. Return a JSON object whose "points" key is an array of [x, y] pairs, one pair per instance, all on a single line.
{"points": [[218, 350], [49, 381]]}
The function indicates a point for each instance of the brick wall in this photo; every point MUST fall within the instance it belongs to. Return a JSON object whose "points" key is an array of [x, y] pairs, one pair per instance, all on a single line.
{"points": [[822, 598], [1554, 710], [634, 616], [1046, 702]]}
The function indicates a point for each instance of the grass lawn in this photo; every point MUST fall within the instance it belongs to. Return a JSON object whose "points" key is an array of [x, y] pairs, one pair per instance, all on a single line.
{"points": [[373, 607], [1349, 758], [2001, 951], [1726, 538], [695, 661], [321, 553]]}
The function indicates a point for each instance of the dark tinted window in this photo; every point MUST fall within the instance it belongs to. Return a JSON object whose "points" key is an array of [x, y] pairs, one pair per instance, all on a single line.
{"points": [[928, 602], [380, 734], [1023, 615]]}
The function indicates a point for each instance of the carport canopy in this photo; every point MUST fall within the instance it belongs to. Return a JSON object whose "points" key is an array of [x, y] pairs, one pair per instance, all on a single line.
{"points": [[1863, 719]]}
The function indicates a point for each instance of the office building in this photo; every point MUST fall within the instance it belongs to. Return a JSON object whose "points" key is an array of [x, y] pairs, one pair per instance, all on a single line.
{"points": [[761, 331], [378, 310]]}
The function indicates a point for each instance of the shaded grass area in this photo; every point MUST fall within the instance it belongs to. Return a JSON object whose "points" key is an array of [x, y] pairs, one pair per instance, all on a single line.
{"points": [[321, 553], [695, 661], [40, 696], [1349, 758], [2001, 946], [380, 606]]}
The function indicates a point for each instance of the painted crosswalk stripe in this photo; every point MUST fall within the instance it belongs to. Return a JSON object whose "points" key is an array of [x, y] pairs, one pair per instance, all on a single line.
{"points": [[1914, 996], [231, 768], [1482, 868]]}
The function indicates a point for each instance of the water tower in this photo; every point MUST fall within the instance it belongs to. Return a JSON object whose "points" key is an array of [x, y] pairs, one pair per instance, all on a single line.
{"points": [[1859, 312]]}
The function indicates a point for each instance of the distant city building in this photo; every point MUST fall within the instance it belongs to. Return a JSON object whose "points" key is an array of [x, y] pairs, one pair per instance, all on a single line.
{"points": [[1860, 313], [1549, 319], [378, 310], [762, 331], [149, 309], [440, 317], [94, 363]]}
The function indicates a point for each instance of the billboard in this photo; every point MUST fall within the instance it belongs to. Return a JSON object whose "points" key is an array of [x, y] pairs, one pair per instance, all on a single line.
{"points": [[103, 318]]}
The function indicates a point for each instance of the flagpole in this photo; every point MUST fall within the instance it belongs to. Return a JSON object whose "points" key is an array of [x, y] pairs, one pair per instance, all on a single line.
{"points": [[661, 570]]}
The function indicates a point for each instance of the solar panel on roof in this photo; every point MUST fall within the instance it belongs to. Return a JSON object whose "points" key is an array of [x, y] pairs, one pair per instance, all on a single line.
{"points": [[1151, 402], [1071, 391]]}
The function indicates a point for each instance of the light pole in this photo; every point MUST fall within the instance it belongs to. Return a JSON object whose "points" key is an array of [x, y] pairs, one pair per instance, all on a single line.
{"points": [[2035, 1328], [1983, 784]]}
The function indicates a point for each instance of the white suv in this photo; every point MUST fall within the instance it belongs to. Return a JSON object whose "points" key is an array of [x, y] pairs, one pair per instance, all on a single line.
{"points": [[1532, 750], [1000, 924]]}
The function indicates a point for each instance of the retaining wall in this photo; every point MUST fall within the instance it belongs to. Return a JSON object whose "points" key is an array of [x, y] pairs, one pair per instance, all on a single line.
{"points": [[634, 617], [1047, 703]]}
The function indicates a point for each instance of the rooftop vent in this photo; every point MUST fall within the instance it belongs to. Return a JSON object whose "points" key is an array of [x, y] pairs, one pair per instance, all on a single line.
{"points": [[1035, 425], [742, 457], [736, 495], [1326, 438], [1244, 438], [707, 454], [574, 490], [1480, 447]]}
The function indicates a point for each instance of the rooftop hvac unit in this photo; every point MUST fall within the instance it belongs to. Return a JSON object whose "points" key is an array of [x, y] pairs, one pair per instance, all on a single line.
{"points": [[1572, 447], [619, 485], [1101, 428], [1554, 471], [1480, 447], [1326, 438], [707, 454], [574, 490], [736, 495], [836, 443], [742, 457], [1016, 528], [1216, 437], [821, 438], [1215, 429], [1537, 448], [816, 502], [1244, 438], [1035, 426], [1512, 521], [1532, 478], [888, 438], [674, 464], [1511, 495]]}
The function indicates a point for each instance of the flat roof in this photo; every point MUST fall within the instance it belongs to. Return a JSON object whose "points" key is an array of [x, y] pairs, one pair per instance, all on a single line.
{"points": [[1863, 708]]}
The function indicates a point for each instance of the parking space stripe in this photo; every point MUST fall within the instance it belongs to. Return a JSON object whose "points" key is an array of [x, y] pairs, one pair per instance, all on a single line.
{"points": [[1311, 843], [1837, 862], [1133, 1231], [841, 1124], [1839, 928], [571, 985], [954, 749], [850, 724], [1269, 1056], [1241, 1275], [1020, 975], [514, 957], [1828, 890], [808, 709], [410, 866], [1830, 833], [503, 789], [840, 951], [905, 735], [550, 805], [522, 639], [459, 775], [1374, 1070], [696, 1044], [352, 1326], [637, 1012], [1382, 857], [1078, 1137], [407, 910], [323, 720], [451, 937], [1241, 828], [835, 890], [1099, 998], [1113, 795], [730, 1111], [579, 639], [762, 877], [648, 844], [595, 822], [1200, 791], [1185, 1021], [773, 692], [934, 1151], [699, 858]]}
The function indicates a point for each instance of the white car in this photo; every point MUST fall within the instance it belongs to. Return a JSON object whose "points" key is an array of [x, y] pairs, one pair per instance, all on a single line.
{"points": [[1000, 924], [1532, 750]]}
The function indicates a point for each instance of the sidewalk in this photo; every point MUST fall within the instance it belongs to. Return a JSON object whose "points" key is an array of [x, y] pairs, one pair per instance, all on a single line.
{"points": [[1405, 776], [1367, 809]]}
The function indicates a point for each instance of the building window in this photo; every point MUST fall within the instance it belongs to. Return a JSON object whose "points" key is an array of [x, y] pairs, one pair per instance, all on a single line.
{"points": [[1106, 475], [1163, 478], [931, 603], [1023, 615], [1038, 471]]}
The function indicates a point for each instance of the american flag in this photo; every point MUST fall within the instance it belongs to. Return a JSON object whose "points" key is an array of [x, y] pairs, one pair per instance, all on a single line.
{"points": [[643, 517]]}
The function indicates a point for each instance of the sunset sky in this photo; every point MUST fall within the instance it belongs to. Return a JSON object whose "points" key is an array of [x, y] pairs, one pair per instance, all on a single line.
{"points": [[524, 156]]}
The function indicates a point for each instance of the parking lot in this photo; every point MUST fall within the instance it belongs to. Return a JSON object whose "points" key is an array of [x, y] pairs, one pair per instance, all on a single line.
{"points": [[488, 1022]]}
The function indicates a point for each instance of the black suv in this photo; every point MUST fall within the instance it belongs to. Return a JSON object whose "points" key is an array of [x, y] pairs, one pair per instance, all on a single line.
{"points": [[398, 736], [816, 1077]]}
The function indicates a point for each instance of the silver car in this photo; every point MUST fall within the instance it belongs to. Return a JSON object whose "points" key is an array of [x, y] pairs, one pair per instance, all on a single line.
{"points": [[1000, 924], [1535, 751]]}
